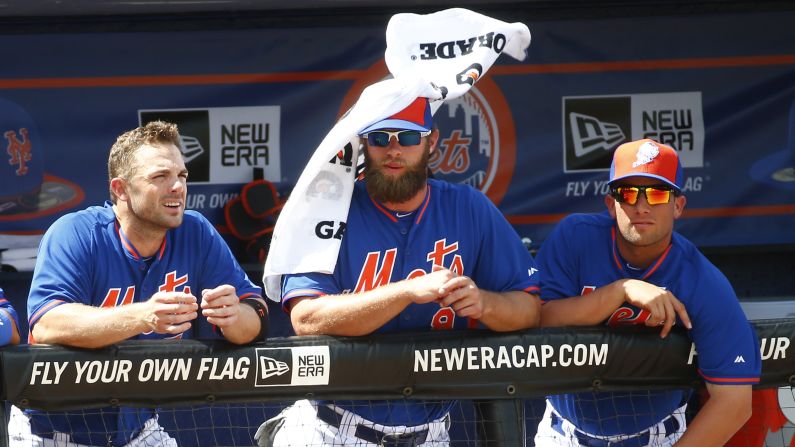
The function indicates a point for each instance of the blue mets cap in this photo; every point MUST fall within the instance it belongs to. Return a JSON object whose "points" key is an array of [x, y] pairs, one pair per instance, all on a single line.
{"points": [[778, 169], [26, 191]]}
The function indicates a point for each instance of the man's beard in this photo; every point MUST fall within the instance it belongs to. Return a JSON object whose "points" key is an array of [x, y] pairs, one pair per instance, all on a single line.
{"points": [[389, 189]]}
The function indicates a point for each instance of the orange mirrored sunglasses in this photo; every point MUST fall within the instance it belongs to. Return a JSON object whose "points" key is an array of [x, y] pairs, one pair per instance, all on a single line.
{"points": [[655, 195]]}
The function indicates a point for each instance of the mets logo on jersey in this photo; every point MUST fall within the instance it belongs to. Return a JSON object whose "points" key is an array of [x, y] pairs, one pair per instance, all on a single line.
{"points": [[477, 141], [624, 315], [114, 297], [118, 296], [18, 151]]}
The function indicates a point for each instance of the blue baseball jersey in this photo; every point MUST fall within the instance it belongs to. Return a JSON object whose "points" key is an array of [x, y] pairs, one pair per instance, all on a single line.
{"points": [[6, 306], [456, 227], [581, 255], [85, 258]]}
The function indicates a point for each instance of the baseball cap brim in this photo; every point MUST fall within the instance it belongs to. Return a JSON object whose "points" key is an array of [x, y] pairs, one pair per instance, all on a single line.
{"points": [[55, 195], [394, 124], [776, 169], [416, 116], [641, 174]]}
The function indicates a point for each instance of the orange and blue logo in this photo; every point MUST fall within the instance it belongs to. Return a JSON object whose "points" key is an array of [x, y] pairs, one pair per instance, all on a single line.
{"points": [[19, 151]]}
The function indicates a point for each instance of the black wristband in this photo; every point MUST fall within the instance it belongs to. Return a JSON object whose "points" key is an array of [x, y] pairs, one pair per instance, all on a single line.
{"points": [[262, 312]]}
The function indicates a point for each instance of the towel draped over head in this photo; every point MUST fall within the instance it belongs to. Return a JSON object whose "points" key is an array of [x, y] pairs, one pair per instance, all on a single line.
{"points": [[438, 56]]}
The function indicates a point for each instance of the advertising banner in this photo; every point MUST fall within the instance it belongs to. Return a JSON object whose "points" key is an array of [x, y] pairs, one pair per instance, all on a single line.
{"points": [[535, 136]]}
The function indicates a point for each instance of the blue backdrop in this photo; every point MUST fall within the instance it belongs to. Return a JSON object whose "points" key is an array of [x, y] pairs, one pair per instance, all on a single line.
{"points": [[718, 87]]}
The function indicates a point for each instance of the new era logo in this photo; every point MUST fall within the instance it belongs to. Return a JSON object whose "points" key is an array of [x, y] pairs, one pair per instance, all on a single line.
{"points": [[272, 367], [224, 145], [293, 366], [191, 147], [739, 359], [593, 126], [194, 128], [589, 134]]}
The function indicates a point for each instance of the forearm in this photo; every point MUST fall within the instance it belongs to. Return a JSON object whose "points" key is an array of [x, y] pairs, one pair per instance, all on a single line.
{"points": [[15, 338], [13, 330], [510, 311], [721, 417], [349, 314], [89, 327], [246, 329], [584, 310]]}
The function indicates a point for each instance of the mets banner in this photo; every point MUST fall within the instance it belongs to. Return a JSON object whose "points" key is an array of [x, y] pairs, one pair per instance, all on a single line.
{"points": [[536, 137]]}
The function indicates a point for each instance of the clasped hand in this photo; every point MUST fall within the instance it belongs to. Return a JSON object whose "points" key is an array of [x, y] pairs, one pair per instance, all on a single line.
{"points": [[662, 306], [172, 312], [448, 289]]}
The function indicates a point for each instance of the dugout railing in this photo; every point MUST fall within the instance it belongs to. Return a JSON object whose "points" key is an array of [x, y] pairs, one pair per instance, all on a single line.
{"points": [[495, 370]]}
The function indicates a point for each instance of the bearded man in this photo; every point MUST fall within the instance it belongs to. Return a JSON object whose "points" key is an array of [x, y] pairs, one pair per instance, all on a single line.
{"points": [[418, 254]]}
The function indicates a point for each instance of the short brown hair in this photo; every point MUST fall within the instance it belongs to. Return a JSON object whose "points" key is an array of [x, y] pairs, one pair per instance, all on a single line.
{"points": [[122, 153]]}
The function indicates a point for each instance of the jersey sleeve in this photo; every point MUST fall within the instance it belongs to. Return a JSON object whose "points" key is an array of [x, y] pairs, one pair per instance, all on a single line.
{"points": [[220, 266], [556, 260], [6, 306], [726, 343], [307, 285], [504, 263], [61, 275]]}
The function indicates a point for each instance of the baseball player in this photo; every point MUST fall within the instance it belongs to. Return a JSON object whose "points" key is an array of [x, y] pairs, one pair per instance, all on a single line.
{"points": [[417, 254], [139, 267], [9, 322], [628, 266]]}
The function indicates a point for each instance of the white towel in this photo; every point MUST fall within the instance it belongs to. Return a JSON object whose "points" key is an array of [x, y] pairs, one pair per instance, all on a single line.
{"points": [[438, 56]]}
